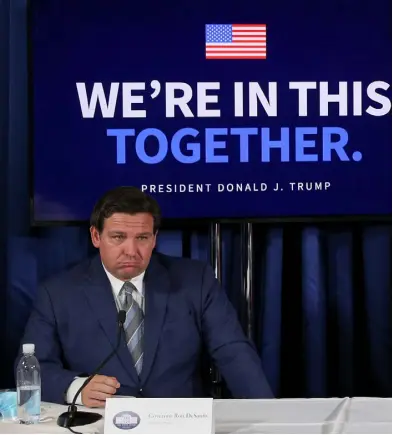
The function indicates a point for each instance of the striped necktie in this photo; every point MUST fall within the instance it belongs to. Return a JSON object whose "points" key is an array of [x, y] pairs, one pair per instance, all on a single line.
{"points": [[134, 324]]}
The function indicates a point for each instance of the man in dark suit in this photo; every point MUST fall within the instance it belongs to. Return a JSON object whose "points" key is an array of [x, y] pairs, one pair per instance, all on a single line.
{"points": [[174, 307]]}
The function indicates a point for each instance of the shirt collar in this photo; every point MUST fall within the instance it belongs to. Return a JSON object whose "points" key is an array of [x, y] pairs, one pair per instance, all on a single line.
{"points": [[117, 283]]}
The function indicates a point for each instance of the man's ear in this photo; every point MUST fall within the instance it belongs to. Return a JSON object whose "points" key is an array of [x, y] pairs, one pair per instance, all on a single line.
{"points": [[95, 237]]}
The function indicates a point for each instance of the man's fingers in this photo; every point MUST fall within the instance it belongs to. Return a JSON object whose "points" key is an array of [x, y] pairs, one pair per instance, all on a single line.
{"points": [[112, 382], [103, 388], [107, 380], [90, 401]]}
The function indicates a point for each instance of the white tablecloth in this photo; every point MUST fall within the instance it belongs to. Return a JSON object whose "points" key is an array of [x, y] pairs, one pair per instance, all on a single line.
{"points": [[357, 415]]}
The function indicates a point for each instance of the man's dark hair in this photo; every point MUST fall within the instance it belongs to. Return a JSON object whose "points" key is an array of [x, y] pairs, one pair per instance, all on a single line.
{"points": [[128, 200]]}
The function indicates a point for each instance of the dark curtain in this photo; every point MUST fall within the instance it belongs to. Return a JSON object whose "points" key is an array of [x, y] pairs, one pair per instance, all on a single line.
{"points": [[322, 292]]}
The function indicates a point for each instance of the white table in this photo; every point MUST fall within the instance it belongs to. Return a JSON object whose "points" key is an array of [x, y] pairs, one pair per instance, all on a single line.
{"points": [[357, 415]]}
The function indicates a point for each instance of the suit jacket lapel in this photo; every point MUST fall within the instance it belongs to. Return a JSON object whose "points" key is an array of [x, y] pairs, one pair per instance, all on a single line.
{"points": [[157, 287], [100, 297]]}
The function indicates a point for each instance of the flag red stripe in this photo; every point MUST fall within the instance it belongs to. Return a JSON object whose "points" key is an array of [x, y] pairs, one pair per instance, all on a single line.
{"points": [[235, 53], [236, 57], [234, 49]]}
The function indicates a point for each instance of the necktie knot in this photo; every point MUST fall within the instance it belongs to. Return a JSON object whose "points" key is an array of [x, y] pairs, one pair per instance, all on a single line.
{"points": [[128, 288], [126, 298]]}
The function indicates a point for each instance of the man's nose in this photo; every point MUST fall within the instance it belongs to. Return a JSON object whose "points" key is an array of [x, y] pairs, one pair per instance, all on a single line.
{"points": [[130, 248]]}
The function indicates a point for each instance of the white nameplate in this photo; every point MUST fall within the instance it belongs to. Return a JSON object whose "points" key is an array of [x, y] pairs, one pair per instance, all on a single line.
{"points": [[134, 415]]}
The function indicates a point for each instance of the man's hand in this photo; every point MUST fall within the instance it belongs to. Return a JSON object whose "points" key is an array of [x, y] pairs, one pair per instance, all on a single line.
{"points": [[98, 389]]}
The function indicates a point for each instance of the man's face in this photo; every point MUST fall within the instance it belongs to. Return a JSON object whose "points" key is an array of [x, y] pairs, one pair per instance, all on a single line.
{"points": [[126, 243]]}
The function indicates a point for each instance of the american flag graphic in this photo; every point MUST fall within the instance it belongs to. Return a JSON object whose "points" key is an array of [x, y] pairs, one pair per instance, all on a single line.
{"points": [[235, 41]]}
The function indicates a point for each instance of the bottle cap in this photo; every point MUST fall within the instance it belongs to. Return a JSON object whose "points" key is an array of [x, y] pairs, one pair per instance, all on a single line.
{"points": [[28, 348]]}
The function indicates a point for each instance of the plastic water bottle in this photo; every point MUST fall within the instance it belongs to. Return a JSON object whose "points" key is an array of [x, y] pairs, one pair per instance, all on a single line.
{"points": [[28, 384]]}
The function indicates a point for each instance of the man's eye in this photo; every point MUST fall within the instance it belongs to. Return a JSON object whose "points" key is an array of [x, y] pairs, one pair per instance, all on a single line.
{"points": [[117, 237], [142, 238]]}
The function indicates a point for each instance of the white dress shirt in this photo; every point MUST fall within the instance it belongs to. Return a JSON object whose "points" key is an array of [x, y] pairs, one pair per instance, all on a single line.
{"points": [[116, 285]]}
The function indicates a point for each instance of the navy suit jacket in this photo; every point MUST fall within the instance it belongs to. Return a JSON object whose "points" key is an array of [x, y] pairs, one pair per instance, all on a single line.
{"points": [[73, 325]]}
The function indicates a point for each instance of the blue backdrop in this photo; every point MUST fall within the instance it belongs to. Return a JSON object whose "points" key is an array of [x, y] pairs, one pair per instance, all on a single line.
{"points": [[244, 159], [323, 292]]}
